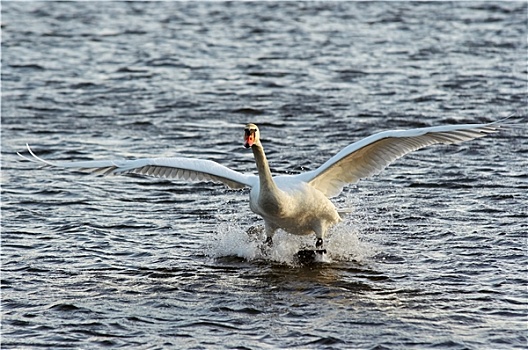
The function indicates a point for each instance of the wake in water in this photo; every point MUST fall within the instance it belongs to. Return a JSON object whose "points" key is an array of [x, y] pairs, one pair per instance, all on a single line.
{"points": [[342, 244]]}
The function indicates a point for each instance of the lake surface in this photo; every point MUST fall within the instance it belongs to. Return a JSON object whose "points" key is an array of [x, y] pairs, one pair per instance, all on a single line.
{"points": [[433, 255]]}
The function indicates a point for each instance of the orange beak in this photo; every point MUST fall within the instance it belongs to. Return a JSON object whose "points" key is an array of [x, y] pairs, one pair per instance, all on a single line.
{"points": [[249, 138]]}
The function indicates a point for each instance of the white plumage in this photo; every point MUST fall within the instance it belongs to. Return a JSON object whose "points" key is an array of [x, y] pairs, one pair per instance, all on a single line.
{"points": [[298, 204]]}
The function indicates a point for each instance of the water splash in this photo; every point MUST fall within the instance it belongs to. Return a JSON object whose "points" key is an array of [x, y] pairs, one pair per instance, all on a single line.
{"points": [[342, 244]]}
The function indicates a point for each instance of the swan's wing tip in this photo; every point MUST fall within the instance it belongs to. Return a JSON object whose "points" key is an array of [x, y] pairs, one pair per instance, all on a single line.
{"points": [[24, 157], [514, 119], [34, 158], [95, 167]]}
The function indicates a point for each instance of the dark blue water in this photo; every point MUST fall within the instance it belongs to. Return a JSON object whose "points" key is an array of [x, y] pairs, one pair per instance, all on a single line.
{"points": [[434, 254]]}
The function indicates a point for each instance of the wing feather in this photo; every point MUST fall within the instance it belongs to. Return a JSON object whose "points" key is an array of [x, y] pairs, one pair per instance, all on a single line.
{"points": [[175, 168], [371, 155]]}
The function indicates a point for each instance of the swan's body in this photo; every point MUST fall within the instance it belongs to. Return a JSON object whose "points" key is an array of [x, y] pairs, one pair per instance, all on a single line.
{"points": [[287, 202], [298, 204]]}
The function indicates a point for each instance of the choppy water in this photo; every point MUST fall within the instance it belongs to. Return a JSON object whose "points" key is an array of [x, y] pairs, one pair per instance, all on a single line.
{"points": [[433, 256]]}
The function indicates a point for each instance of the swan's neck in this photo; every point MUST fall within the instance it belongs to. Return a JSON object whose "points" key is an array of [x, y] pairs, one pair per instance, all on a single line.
{"points": [[266, 180]]}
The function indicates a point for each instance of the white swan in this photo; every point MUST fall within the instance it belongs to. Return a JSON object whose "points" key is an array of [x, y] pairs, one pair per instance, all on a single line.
{"points": [[298, 204]]}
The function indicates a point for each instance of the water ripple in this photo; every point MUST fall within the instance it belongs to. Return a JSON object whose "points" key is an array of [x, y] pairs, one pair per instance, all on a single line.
{"points": [[432, 256]]}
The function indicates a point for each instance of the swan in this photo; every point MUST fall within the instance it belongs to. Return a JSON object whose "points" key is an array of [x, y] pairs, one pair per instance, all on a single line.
{"points": [[298, 204]]}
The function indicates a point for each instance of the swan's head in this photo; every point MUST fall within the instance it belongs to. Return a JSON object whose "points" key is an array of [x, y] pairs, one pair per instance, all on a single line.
{"points": [[251, 135]]}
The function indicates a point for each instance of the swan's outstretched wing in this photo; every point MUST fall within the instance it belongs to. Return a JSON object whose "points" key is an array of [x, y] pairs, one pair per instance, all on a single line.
{"points": [[371, 155], [175, 168]]}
